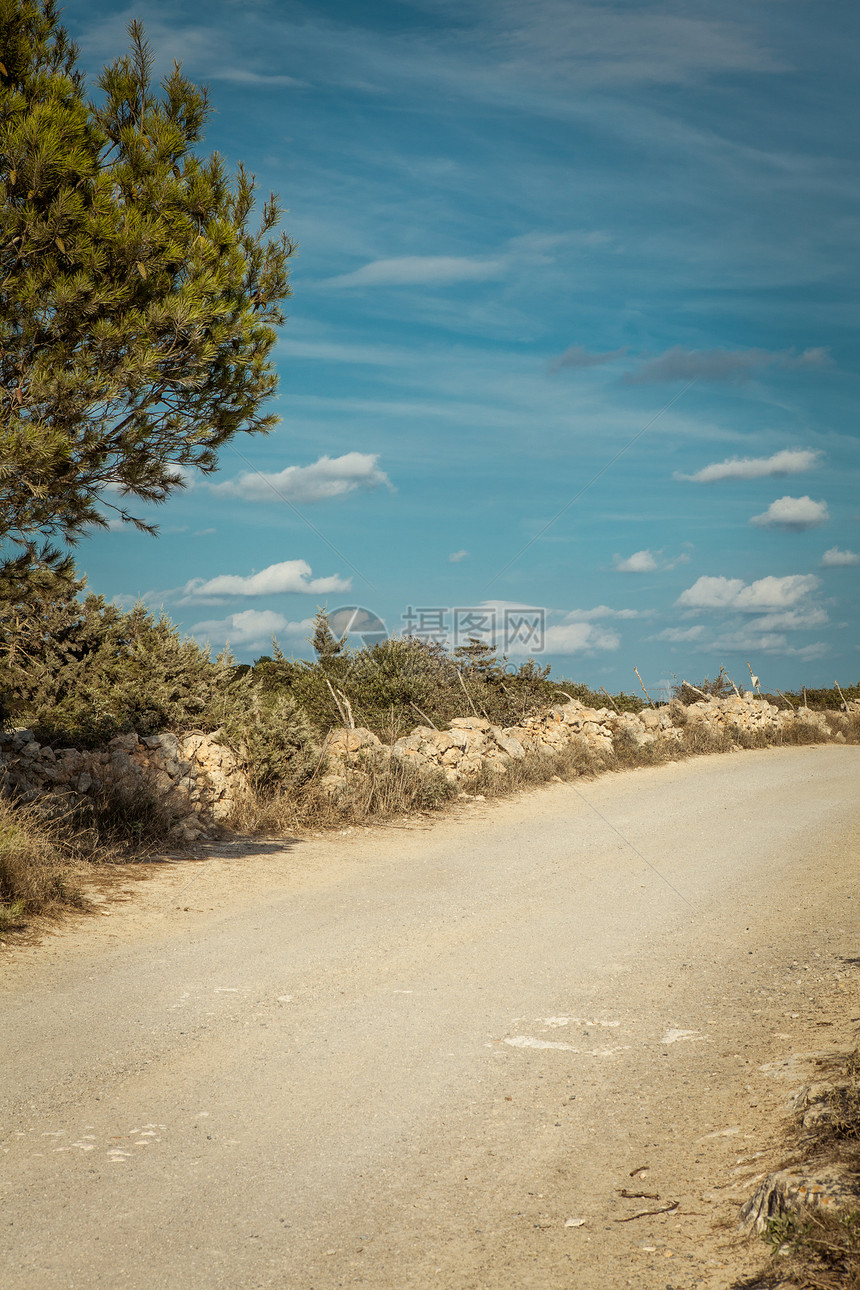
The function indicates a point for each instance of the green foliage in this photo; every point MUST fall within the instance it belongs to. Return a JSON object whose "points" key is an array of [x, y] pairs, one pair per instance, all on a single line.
{"points": [[272, 736], [327, 647], [138, 306], [825, 699], [402, 682], [80, 671]]}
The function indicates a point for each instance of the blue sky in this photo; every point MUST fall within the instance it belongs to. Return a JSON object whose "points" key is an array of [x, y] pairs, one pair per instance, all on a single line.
{"points": [[556, 259]]}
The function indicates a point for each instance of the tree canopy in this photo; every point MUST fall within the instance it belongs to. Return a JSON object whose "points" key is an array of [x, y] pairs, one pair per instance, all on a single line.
{"points": [[137, 306]]}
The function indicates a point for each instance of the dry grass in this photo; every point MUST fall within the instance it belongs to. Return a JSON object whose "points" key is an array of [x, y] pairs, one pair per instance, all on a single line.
{"points": [[116, 824], [39, 872], [46, 849], [372, 792]]}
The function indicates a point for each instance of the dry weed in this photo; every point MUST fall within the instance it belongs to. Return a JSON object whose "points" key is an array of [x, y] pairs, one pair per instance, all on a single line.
{"points": [[38, 869]]}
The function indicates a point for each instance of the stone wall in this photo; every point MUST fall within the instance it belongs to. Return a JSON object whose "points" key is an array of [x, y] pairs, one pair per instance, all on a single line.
{"points": [[472, 745], [197, 779], [200, 780]]}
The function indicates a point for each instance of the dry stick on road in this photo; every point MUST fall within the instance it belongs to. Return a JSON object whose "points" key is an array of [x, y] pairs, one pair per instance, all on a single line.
{"points": [[646, 1213], [644, 691]]}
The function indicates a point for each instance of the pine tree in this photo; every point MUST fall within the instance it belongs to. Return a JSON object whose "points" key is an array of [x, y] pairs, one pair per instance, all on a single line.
{"points": [[327, 646], [137, 307]]}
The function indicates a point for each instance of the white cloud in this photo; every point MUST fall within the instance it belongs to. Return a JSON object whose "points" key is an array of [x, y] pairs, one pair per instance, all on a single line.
{"points": [[275, 580], [639, 562], [329, 477], [579, 638], [421, 270], [647, 562], [796, 513], [791, 620], [837, 559], [456, 556], [750, 642], [252, 628], [790, 461], [756, 597]]}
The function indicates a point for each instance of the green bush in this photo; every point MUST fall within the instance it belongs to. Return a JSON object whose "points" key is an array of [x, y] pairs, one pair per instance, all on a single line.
{"points": [[79, 671], [272, 737]]}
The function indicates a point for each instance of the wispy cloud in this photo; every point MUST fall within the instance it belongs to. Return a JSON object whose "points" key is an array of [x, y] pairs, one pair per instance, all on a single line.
{"points": [[326, 478], [456, 556], [680, 364], [680, 635], [603, 611], [746, 641], [793, 513], [290, 576], [790, 461], [578, 357], [770, 593], [791, 620], [421, 270], [838, 559]]}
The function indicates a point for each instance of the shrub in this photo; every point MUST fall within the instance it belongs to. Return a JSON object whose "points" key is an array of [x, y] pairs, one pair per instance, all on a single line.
{"points": [[79, 671], [271, 736]]}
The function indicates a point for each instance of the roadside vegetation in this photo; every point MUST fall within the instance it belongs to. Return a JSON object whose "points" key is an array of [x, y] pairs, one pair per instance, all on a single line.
{"points": [[79, 671]]}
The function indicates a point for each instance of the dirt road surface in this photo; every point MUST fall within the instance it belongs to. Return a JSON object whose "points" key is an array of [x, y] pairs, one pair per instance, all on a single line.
{"points": [[433, 1056]]}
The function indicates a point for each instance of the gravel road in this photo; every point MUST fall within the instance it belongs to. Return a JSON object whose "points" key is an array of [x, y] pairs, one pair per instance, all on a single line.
{"points": [[435, 1055]]}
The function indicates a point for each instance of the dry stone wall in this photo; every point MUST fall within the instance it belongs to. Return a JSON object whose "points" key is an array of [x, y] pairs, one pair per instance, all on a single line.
{"points": [[200, 780], [197, 779], [473, 745]]}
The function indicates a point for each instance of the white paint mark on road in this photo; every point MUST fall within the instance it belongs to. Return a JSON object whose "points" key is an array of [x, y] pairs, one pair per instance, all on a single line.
{"points": [[552, 1022], [525, 1041], [673, 1036]]}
